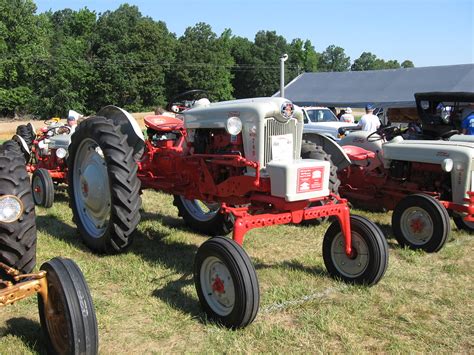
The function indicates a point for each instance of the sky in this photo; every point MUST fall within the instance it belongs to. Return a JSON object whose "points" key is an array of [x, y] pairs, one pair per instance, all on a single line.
{"points": [[427, 32]]}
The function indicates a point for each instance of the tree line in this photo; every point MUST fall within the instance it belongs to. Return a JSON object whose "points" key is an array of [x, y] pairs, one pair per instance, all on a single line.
{"points": [[55, 61]]}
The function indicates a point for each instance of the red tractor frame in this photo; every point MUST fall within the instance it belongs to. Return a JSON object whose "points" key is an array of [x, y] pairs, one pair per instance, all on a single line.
{"points": [[216, 189]]}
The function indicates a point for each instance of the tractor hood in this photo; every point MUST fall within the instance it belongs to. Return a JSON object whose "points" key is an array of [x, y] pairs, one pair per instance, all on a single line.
{"points": [[433, 152]]}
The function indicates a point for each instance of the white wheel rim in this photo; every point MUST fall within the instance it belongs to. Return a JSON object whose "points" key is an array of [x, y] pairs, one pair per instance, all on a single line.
{"points": [[91, 188], [200, 210], [416, 225], [350, 267], [38, 189], [217, 286]]}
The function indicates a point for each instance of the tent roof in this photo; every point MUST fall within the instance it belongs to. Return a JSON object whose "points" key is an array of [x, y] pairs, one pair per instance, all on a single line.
{"points": [[384, 88]]}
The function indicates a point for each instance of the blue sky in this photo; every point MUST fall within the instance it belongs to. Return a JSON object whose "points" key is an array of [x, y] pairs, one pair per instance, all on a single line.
{"points": [[428, 32]]}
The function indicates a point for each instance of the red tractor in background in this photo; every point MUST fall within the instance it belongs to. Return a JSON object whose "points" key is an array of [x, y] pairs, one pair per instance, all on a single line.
{"points": [[231, 166], [45, 152]]}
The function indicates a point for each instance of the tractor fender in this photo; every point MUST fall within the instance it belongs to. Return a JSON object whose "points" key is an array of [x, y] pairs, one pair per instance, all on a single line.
{"points": [[128, 126], [21, 141], [338, 156]]}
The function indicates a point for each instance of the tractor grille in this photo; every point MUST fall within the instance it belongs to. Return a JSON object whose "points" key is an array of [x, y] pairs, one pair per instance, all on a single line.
{"points": [[275, 128]]}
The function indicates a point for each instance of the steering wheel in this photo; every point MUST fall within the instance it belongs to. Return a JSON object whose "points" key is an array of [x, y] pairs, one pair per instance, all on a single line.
{"points": [[58, 130], [387, 132], [184, 100], [449, 133]]}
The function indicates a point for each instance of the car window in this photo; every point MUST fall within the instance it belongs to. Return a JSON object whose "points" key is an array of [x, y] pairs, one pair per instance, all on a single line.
{"points": [[321, 115]]}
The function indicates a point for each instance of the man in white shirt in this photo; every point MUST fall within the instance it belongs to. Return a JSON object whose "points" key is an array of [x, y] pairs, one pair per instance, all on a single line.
{"points": [[369, 122], [347, 117]]}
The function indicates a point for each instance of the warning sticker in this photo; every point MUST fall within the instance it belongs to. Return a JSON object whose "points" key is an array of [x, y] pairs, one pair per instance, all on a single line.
{"points": [[310, 179]]}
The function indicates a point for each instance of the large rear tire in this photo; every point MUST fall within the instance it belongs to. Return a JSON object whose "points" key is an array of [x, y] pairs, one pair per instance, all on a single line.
{"points": [[204, 218], [17, 237], [420, 221], [43, 188], [68, 317], [103, 185], [461, 224], [27, 133], [226, 282], [310, 150], [370, 249]]}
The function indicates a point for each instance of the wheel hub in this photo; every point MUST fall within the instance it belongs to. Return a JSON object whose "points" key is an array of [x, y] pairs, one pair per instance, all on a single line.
{"points": [[218, 286], [91, 188], [416, 225], [357, 263]]}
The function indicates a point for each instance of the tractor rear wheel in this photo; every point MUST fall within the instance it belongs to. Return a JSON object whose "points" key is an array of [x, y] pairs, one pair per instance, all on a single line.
{"points": [[17, 212], [420, 221], [27, 133], [67, 317], [203, 217], [462, 224], [103, 185], [226, 282], [43, 188], [310, 150], [370, 248]]}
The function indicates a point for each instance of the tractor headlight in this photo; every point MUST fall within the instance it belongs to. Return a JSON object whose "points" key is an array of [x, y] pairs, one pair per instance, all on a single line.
{"points": [[233, 125], [447, 165], [61, 153], [11, 208]]}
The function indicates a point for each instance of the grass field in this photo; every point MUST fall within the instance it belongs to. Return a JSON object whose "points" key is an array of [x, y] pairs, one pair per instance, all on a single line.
{"points": [[146, 302]]}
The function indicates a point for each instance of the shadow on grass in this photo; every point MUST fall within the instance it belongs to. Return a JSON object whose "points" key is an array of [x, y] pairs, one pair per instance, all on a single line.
{"points": [[60, 230], [293, 265], [28, 331]]}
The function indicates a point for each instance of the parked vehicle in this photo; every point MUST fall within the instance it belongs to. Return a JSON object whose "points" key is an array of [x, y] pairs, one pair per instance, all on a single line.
{"points": [[65, 305], [321, 120], [418, 179], [45, 152], [231, 166]]}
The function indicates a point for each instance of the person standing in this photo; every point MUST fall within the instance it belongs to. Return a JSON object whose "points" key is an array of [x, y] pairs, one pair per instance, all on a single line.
{"points": [[467, 123], [369, 122], [348, 116]]}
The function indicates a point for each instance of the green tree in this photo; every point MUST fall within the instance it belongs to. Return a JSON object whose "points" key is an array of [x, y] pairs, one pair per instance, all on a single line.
{"points": [[334, 59], [70, 70], [311, 57], [243, 70], [204, 62], [407, 64], [23, 48], [131, 55], [366, 61]]}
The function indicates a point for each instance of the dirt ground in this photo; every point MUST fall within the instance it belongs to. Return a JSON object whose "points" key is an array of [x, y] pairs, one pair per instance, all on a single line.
{"points": [[8, 127]]}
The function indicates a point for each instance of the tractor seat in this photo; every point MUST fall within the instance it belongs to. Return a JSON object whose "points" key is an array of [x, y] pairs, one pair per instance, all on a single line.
{"points": [[357, 153], [163, 123]]}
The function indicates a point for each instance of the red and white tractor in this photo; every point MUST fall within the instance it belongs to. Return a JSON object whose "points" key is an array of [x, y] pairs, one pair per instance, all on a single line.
{"points": [[420, 180], [45, 152], [65, 305], [231, 166]]}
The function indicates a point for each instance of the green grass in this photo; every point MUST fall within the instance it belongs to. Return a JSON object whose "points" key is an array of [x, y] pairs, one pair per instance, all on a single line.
{"points": [[146, 302]]}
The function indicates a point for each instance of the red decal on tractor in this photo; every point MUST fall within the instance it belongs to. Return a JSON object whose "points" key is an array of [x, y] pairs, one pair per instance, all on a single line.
{"points": [[310, 179]]}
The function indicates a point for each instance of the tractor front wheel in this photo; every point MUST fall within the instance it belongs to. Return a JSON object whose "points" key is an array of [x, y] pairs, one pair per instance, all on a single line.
{"points": [[370, 252], [226, 282], [205, 218], [67, 316], [420, 221], [43, 188]]}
